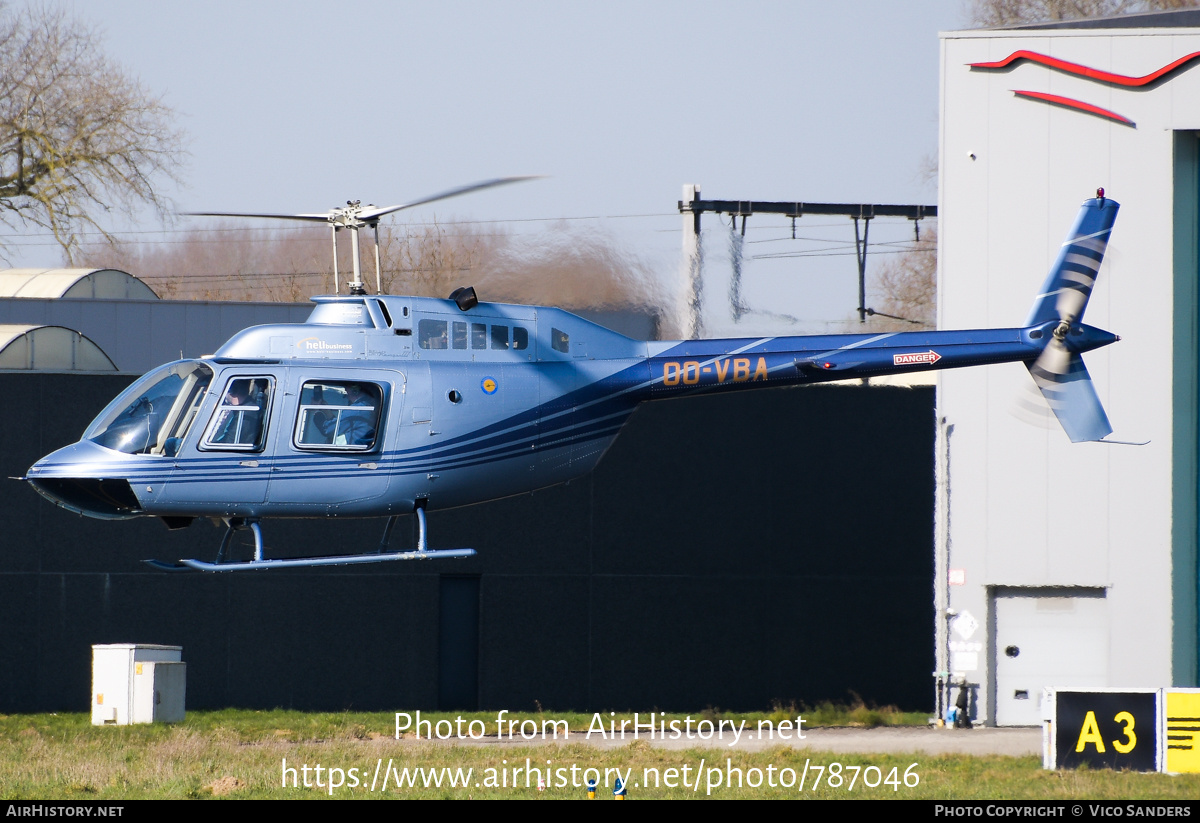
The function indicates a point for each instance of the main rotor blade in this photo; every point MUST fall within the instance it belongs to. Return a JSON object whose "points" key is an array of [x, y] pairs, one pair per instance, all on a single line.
{"points": [[313, 218], [374, 214]]}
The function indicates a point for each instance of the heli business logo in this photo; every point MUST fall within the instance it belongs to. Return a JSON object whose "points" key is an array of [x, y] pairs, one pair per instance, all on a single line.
{"points": [[928, 357], [316, 344]]}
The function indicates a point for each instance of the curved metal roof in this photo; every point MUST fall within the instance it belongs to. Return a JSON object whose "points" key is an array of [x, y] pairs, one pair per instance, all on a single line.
{"points": [[101, 284], [50, 348]]}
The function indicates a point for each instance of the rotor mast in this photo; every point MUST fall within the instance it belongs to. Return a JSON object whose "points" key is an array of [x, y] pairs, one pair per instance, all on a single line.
{"points": [[351, 217]]}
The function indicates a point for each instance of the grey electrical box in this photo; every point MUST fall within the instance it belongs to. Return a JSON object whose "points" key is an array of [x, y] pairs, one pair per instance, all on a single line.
{"points": [[134, 683]]}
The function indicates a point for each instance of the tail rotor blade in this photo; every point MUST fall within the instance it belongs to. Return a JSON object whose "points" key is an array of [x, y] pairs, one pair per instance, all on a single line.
{"points": [[1065, 383], [1053, 364]]}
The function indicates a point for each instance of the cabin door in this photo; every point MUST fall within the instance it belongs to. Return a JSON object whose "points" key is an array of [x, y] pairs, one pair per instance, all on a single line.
{"points": [[331, 447], [226, 462]]}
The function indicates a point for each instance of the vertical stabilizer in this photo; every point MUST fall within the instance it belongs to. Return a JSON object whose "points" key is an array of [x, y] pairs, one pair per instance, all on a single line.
{"points": [[1064, 295], [1059, 370]]}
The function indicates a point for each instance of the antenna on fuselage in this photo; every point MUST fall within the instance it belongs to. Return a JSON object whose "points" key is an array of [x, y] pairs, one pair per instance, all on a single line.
{"points": [[355, 216]]}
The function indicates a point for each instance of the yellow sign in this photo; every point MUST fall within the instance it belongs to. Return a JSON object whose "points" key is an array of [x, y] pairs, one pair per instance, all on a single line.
{"points": [[1183, 731]]}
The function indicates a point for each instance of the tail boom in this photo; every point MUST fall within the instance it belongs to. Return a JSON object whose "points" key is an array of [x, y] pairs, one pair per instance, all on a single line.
{"points": [[720, 365], [1050, 344]]}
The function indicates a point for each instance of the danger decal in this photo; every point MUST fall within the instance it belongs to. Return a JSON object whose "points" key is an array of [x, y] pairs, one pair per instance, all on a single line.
{"points": [[916, 359]]}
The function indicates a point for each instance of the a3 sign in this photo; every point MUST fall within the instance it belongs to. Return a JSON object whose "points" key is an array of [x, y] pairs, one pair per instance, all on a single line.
{"points": [[1138, 729]]}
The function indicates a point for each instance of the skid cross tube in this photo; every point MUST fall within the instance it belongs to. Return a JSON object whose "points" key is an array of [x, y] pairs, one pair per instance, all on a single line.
{"points": [[421, 552]]}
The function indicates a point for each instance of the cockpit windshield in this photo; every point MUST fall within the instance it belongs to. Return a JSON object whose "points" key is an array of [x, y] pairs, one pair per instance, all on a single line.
{"points": [[153, 415]]}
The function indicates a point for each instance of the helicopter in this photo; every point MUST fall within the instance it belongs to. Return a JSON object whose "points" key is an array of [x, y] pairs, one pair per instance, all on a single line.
{"points": [[390, 406]]}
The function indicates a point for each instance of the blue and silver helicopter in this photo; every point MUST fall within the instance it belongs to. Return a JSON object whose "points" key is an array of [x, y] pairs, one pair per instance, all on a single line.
{"points": [[390, 406]]}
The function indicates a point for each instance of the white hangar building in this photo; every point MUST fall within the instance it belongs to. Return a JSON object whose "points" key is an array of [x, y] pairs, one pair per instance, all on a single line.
{"points": [[1060, 564]]}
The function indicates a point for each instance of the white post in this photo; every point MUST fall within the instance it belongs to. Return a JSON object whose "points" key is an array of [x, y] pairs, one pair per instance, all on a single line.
{"points": [[691, 319], [941, 565]]}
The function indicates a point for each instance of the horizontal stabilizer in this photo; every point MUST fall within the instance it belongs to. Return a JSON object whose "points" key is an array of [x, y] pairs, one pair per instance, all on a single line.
{"points": [[1065, 383]]}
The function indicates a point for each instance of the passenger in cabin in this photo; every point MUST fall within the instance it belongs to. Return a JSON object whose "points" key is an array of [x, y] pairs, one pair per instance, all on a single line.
{"points": [[238, 394], [431, 334], [355, 427]]}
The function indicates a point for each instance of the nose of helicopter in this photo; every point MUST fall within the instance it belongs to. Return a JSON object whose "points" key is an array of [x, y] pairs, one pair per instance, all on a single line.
{"points": [[85, 479]]}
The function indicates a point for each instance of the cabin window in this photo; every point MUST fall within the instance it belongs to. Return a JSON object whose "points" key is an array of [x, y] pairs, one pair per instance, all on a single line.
{"points": [[338, 415], [520, 338], [154, 414], [431, 334], [500, 337], [460, 335], [560, 341], [479, 335], [240, 423]]}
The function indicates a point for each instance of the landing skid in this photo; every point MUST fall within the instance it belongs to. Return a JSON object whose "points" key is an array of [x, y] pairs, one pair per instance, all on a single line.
{"points": [[422, 552]]}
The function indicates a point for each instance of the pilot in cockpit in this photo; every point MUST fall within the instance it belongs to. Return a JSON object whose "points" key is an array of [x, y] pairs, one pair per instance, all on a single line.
{"points": [[241, 414]]}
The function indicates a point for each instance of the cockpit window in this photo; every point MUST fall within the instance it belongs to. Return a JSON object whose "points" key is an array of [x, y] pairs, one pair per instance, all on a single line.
{"points": [[240, 421], [154, 414], [338, 415]]}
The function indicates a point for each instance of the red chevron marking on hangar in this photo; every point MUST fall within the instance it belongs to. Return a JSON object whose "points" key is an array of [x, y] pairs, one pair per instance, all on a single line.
{"points": [[1078, 105], [1087, 71]]}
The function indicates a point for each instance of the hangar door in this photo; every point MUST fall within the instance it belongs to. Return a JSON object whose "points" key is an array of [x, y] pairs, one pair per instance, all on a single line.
{"points": [[1045, 637]]}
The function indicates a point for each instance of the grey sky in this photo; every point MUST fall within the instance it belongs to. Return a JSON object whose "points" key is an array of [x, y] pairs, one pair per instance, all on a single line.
{"points": [[299, 106]]}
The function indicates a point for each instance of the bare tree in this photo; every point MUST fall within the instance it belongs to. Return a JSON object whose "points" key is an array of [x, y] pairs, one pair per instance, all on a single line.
{"points": [[78, 136], [993, 13], [905, 287], [432, 259], [575, 268], [227, 261]]}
